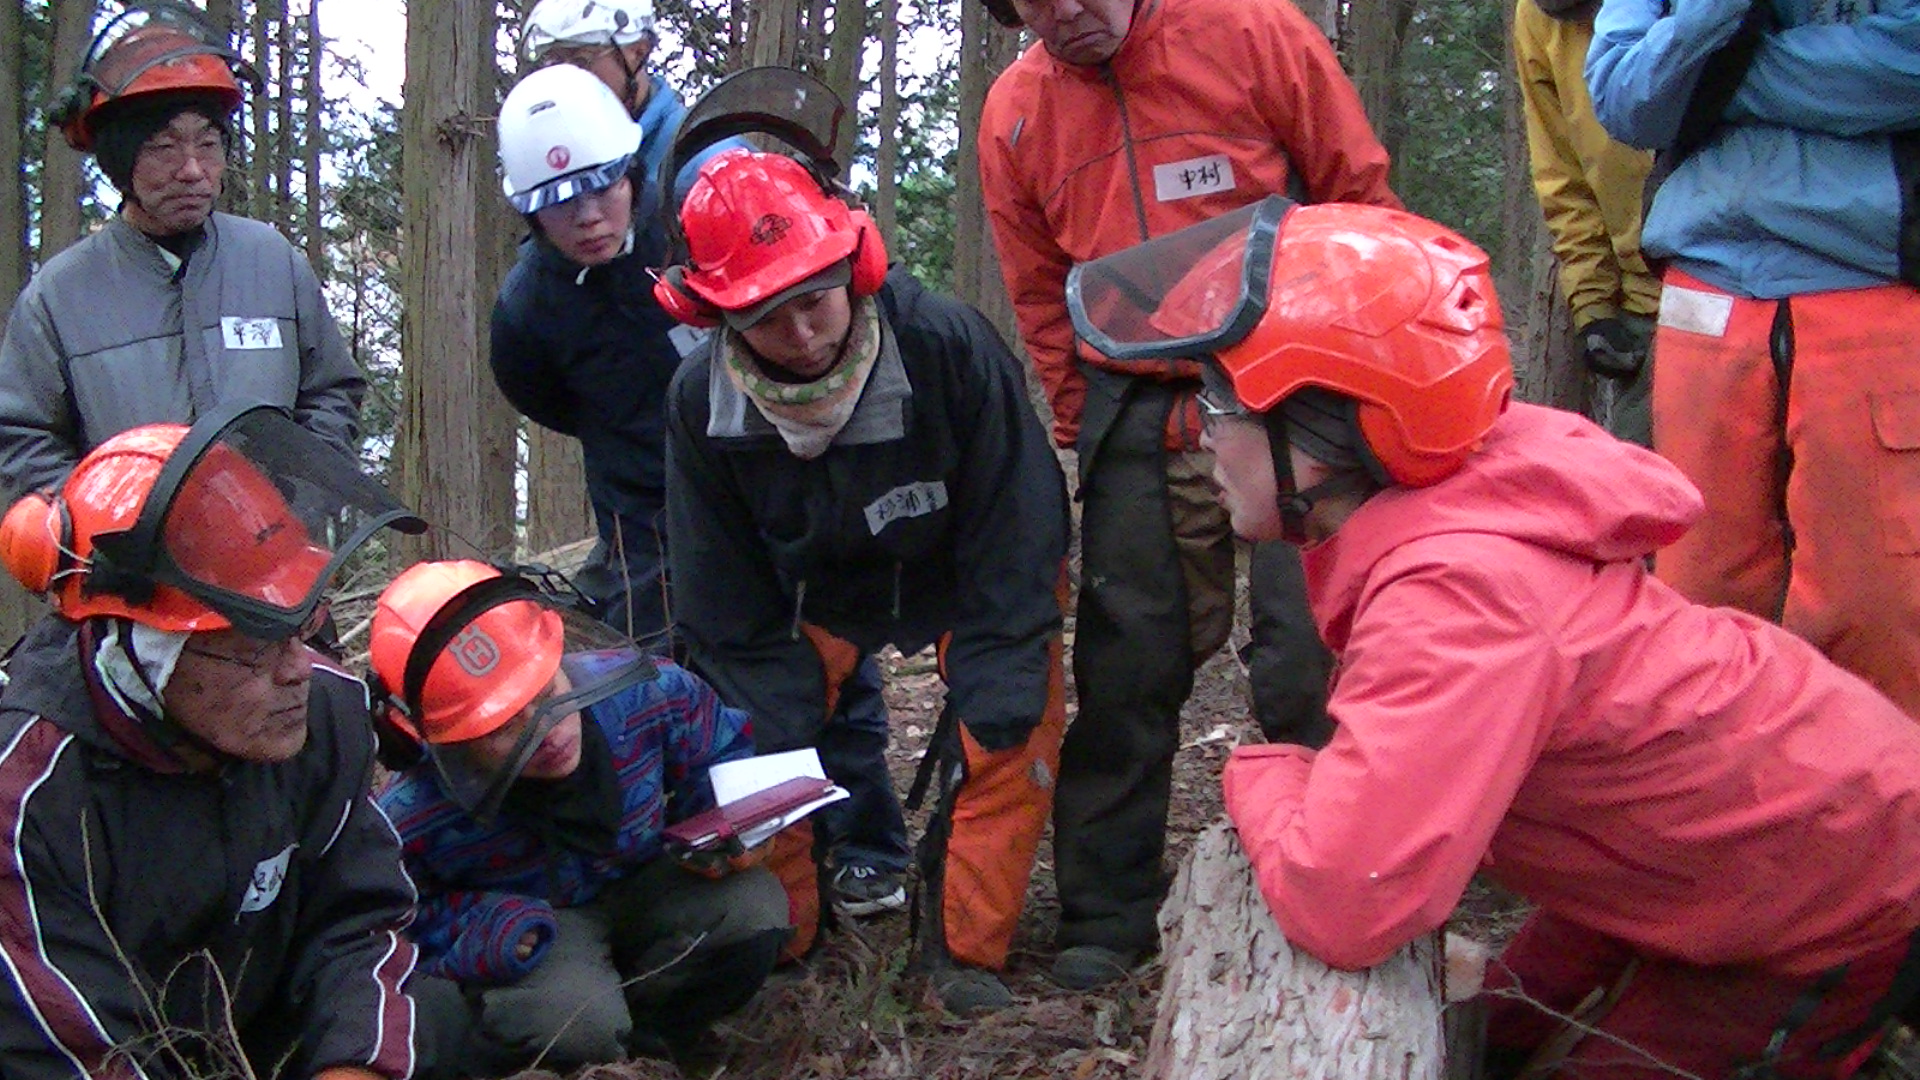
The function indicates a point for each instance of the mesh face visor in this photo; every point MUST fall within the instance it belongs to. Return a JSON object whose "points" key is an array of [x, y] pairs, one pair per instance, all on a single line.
{"points": [[790, 105], [472, 772], [1186, 294], [252, 515], [573, 185], [141, 38]]}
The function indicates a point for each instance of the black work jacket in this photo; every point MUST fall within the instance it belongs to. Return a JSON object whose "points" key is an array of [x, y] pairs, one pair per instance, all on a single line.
{"points": [[940, 508]]}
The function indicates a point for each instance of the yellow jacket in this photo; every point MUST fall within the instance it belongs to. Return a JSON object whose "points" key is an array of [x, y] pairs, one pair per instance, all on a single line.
{"points": [[1588, 185]]}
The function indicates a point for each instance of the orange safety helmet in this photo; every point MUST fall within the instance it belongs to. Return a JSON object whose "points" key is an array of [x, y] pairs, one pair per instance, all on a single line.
{"points": [[1394, 311], [1378, 305], [758, 224], [488, 669], [160, 47], [227, 525]]}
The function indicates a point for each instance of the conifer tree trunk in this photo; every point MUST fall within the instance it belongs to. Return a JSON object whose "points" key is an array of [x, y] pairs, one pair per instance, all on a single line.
{"points": [[886, 156], [447, 451], [61, 174], [986, 48], [15, 604], [316, 141]]}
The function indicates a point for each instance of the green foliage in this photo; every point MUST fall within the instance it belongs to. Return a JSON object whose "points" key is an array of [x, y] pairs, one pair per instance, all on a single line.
{"points": [[1446, 133]]}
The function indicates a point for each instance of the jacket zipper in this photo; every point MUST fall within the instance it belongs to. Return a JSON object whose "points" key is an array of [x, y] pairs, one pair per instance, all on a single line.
{"points": [[1133, 162]]}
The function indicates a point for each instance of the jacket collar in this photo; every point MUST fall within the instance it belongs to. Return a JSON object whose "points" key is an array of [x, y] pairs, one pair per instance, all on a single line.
{"points": [[880, 416]]}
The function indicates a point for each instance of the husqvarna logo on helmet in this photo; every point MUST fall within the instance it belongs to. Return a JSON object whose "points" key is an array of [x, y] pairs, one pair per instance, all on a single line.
{"points": [[474, 651], [558, 157], [770, 228]]}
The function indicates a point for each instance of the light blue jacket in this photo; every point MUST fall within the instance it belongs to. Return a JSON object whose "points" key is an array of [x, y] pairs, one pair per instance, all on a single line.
{"points": [[1796, 191]]}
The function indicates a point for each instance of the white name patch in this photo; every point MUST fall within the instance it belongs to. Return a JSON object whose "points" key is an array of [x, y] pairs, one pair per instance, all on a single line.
{"points": [[1694, 311], [1195, 176], [906, 501], [268, 876], [245, 333]]}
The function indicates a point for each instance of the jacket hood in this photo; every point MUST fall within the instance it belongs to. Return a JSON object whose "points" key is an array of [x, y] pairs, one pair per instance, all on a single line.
{"points": [[1544, 477]]}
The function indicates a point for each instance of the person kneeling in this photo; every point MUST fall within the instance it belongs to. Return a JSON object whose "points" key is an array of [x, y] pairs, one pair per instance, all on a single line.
{"points": [[553, 927], [1718, 827]]}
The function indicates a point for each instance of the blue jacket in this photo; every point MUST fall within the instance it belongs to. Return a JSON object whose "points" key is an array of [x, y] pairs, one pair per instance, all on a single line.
{"points": [[1797, 191], [483, 886]]}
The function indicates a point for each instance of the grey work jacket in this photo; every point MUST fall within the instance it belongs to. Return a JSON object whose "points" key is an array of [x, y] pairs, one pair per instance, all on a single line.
{"points": [[114, 333]]}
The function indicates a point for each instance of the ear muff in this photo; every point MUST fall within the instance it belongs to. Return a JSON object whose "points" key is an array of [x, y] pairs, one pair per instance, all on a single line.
{"points": [[35, 538], [869, 256], [670, 291]]}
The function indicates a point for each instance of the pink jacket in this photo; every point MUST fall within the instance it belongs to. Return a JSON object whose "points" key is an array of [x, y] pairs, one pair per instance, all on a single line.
{"points": [[1516, 694]]}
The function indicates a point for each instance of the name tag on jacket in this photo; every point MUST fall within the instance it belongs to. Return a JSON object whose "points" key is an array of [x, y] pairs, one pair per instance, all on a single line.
{"points": [[244, 333], [906, 501], [1194, 176]]}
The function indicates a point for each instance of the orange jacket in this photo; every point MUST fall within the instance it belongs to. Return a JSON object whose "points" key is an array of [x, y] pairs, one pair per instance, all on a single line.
{"points": [[1516, 693], [1208, 105]]}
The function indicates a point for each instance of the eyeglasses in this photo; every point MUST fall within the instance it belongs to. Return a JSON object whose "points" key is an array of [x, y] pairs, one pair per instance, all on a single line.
{"points": [[582, 56], [258, 656], [1213, 410], [210, 151]]}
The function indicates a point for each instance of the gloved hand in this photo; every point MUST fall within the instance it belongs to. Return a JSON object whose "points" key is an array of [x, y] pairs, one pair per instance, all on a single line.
{"points": [[1611, 348]]}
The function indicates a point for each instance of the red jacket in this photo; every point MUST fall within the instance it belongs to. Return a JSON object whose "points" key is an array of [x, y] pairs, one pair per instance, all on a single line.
{"points": [[1209, 105], [1516, 693]]}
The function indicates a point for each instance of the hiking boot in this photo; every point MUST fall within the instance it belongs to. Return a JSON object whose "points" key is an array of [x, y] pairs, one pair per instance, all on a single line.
{"points": [[867, 890], [1084, 967], [967, 991]]}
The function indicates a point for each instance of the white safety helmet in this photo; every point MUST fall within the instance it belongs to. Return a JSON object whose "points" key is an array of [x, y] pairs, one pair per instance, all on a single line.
{"points": [[585, 22], [562, 134]]}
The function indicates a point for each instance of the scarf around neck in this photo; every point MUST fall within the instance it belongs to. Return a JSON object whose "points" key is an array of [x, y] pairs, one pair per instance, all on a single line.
{"points": [[808, 415]]}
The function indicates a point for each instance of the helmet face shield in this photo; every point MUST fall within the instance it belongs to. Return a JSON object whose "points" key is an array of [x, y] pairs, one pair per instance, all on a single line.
{"points": [[252, 516], [144, 37], [478, 773], [1188, 293]]}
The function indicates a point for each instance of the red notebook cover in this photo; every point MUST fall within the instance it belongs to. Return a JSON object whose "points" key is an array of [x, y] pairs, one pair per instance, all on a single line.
{"points": [[714, 828]]}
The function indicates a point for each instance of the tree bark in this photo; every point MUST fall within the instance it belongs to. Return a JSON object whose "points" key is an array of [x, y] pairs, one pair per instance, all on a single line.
{"points": [[886, 154], [773, 33], [15, 605], [986, 48], [1376, 36], [846, 49], [315, 130], [14, 255], [1239, 1003], [61, 175], [283, 145], [557, 508], [447, 463]]}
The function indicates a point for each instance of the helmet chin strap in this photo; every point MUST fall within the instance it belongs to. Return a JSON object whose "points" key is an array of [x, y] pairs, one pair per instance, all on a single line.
{"points": [[1294, 503]]}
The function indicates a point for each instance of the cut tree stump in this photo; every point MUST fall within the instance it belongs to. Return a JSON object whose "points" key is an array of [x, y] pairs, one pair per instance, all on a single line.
{"points": [[1239, 1003]]}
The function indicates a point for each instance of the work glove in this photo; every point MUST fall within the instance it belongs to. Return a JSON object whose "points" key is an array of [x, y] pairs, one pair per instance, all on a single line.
{"points": [[1611, 348]]}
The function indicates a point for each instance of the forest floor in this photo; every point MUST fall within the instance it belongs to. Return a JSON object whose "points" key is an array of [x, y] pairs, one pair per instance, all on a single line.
{"points": [[851, 1012]]}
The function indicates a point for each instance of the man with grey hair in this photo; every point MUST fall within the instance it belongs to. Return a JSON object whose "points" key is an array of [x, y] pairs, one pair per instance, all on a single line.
{"points": [[171, 309]]}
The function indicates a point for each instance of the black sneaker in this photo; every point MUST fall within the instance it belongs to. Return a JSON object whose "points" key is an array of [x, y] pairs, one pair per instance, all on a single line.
{"points": [[867, 890]]}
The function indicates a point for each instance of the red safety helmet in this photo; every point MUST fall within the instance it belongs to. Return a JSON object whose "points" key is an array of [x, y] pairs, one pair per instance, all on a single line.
{"points": [[155, 48], [488, 669], [1379, 305], [756, 226], [227, 526]]}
